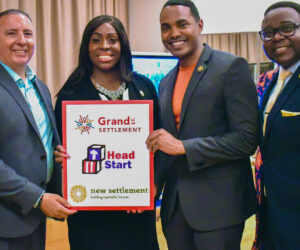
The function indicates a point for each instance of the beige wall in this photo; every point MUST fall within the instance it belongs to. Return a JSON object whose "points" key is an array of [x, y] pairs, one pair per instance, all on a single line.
{"points": [[59, 26], [144, 27]]}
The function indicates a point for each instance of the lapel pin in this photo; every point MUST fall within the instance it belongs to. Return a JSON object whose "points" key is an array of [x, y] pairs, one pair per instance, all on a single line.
{"points": [[200, 68], [142, 93], [299, 76]]}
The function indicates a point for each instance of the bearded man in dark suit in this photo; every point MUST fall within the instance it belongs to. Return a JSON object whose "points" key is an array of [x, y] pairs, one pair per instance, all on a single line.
{"points": [[209, 129]]}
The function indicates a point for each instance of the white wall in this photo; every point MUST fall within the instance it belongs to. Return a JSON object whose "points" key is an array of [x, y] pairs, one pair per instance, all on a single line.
{"points": [[232, 16], [220, 16]]}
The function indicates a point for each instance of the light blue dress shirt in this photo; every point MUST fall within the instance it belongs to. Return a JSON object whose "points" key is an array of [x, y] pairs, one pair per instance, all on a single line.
{"points": [[292, 69], [38, 110]]}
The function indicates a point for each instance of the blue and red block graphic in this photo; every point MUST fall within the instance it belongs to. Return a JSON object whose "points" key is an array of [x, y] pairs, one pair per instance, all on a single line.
{"points": [[95, 155]]}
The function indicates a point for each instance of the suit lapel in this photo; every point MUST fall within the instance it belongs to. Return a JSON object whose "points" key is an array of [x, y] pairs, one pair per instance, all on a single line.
{"points": [[49, 110], [194, 81], [282, 98], [168, 116], [265, 98], [267, 92], [134, 92], [9, 84]]}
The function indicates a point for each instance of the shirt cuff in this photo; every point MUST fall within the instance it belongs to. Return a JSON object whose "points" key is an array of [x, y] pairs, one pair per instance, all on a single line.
{"points": [[38, 200]]}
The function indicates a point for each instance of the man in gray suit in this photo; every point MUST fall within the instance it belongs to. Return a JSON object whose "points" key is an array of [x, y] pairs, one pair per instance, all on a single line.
{"points": [[209, 128], [27, 139]]}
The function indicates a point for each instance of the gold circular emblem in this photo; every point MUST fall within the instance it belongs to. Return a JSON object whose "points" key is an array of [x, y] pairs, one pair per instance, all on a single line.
{"points": [[78, 193], [200, 68]]}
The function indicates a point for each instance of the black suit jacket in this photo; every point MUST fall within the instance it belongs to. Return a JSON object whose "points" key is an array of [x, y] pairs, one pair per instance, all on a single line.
{"points": [[280, 150], [219, 130], [23, 165]]}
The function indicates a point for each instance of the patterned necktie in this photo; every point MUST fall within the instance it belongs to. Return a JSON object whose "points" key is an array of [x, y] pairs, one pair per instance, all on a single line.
{"points": [[279, 86]]}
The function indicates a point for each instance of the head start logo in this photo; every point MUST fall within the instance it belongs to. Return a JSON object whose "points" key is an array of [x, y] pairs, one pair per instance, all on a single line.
{"points": [[84, 124], [96, 154]]}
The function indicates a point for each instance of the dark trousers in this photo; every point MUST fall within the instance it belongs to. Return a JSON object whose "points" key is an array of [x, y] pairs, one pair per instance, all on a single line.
{"points": [[112, 230], [33, 241], [180, 235]]}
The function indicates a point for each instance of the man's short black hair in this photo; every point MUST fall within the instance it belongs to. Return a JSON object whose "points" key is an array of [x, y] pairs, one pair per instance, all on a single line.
{"points": [[14, 11], [284, 4], [188, 3]]}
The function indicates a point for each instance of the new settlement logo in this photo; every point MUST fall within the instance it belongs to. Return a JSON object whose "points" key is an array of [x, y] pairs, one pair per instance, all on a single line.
{"points": [[78, 193]]}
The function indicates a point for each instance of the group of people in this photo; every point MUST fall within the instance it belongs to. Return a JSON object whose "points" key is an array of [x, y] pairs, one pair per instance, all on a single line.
{"points": [[207, 122]]}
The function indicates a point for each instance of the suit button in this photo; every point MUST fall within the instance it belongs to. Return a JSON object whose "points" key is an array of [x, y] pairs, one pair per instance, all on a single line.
{"points": [[43, 157]]}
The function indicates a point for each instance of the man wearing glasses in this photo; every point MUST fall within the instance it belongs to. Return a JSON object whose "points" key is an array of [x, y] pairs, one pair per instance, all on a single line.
{"points": [[280, 128]]}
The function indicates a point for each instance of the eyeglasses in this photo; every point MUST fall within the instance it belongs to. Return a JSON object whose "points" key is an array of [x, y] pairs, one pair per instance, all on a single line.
{"points": [[286, 30]]}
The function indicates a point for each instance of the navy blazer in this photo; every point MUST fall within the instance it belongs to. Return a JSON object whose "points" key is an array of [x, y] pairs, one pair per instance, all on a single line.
{"points": [[280, 150], [219, 130], [23, 164]]}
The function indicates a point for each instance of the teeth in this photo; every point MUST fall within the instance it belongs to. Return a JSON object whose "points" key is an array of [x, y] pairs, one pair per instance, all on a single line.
{"points": [[104, 57], [280, 48], [177, 43]]}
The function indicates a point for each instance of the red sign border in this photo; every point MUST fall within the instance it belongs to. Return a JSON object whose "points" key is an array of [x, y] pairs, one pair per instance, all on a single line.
{"points": [[64, 132]]}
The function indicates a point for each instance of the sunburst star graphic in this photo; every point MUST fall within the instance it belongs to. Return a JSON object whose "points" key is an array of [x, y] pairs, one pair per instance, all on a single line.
{"points": [[84, 124]]}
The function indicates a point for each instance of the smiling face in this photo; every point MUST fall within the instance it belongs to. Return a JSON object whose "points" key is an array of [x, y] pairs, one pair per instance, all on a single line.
{"points": [[283, 50], [180, 33], [105, 48], [16, 41]]}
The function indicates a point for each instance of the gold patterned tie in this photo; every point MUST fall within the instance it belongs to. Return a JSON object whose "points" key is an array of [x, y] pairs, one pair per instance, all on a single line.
{"points": [[279, 86]]}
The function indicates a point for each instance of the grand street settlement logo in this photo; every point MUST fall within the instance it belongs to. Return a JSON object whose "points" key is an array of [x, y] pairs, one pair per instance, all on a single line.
{"points": [[84, 124]]}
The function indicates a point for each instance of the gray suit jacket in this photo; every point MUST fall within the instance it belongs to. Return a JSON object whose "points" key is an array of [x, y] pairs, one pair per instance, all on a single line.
{"points": [[219, 130], [23, 164]]}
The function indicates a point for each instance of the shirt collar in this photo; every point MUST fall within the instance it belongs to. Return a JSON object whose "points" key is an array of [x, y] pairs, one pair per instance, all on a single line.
{"points": [[293, 68], [30, 75]]}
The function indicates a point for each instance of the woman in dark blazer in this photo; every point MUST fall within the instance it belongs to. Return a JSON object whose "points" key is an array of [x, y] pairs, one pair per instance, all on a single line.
{"points": [[104, 72]]}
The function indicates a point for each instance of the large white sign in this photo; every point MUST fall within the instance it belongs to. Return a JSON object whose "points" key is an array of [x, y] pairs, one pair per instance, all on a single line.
{"points": [[110, 167]]}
